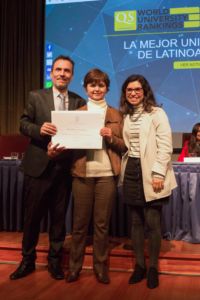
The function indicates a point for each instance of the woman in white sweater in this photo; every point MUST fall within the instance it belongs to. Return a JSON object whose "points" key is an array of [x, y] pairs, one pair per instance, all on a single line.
{"points": [[94, 185], [147, 174]]}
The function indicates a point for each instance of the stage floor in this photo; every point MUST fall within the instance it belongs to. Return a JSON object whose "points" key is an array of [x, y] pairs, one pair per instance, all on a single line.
{"points": [[176, 257], [179, 269]]}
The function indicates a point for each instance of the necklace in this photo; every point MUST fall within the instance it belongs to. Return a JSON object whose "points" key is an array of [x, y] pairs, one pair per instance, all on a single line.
{"points": [[137, 117]]}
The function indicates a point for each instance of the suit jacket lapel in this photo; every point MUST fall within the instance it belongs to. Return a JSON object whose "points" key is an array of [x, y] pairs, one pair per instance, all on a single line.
{"points": [[49, 100], [72, 101]]}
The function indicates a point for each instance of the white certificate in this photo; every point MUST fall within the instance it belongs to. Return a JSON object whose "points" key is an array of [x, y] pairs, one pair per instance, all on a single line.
{"points": [[78, 129]]}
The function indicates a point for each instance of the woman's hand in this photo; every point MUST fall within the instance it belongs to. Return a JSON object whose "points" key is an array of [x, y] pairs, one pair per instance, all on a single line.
{"points": [[105, 131], [54, 150], [157, 184]]}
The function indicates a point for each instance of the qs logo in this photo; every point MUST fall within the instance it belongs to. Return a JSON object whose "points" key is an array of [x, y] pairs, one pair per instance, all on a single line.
{"points": [[125, 20]]}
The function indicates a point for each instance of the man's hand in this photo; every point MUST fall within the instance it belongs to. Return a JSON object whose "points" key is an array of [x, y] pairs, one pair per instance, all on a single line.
{"points": [[48, 129], [54, 150]]}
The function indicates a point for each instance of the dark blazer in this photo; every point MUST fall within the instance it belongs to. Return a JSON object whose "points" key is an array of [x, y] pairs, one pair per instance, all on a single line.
{"points": [[38, 110]]}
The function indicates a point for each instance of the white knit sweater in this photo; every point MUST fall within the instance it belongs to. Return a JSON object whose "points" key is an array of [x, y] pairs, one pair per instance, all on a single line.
{"points": [[98, 163]]}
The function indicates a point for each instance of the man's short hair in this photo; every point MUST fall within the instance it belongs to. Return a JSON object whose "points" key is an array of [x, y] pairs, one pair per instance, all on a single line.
{"points": [[63, 57]]}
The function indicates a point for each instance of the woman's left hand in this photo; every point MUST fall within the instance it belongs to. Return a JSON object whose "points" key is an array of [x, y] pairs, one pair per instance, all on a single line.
{"points": [[106, 132], [157, 184]]}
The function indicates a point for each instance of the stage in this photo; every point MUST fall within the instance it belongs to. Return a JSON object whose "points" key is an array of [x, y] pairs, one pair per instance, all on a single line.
{"points": [[179, 259], [176, 257], [179, 270]]}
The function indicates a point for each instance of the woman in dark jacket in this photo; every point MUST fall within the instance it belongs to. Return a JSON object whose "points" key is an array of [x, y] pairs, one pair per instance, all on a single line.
{"points": [[94, 182]]}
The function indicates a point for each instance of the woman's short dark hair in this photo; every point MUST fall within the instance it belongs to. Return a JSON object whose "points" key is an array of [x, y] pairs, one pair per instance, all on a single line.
{"points": [[96, 76], [149, 99]]}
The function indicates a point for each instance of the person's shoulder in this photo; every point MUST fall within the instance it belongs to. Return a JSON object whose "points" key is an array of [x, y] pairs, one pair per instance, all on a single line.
{"points": [[186, 143], [158, 111], [114, 113], [84, 107], [159, 116], [40, 92], [75, 95], [114, 110]]}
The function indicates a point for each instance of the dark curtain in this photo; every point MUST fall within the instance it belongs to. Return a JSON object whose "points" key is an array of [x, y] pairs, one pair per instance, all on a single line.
{"points": [[21, 57]]}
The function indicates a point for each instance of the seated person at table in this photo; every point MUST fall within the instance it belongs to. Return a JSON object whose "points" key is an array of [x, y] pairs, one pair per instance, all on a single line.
{"points": [[191, 147]]}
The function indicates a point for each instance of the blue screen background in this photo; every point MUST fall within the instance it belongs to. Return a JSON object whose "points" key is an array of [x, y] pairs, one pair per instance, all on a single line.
{"points": [[85, 32]]}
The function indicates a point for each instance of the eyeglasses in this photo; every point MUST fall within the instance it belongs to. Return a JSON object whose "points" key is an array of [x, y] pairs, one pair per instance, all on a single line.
{"points": [[136, 90]]}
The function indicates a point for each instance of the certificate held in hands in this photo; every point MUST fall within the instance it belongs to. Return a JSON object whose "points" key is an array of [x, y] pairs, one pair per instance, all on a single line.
{"points": [[78, 129]]}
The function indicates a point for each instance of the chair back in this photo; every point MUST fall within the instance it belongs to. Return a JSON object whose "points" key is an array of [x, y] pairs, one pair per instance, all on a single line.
{"points": [[13, 143]]}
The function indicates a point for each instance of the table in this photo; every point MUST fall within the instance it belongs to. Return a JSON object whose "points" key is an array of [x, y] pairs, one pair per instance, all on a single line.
{"points": [[11, 199], [11, 204], [11, 190], [180, 220], [181, 216]]}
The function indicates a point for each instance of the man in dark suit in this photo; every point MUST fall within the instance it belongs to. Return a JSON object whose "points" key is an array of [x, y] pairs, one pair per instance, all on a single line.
{"points": [[47, 182]]}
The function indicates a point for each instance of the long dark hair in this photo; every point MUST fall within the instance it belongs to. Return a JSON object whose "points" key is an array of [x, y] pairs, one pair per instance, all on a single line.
{"points": [[149, 100], [194, 146]]}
